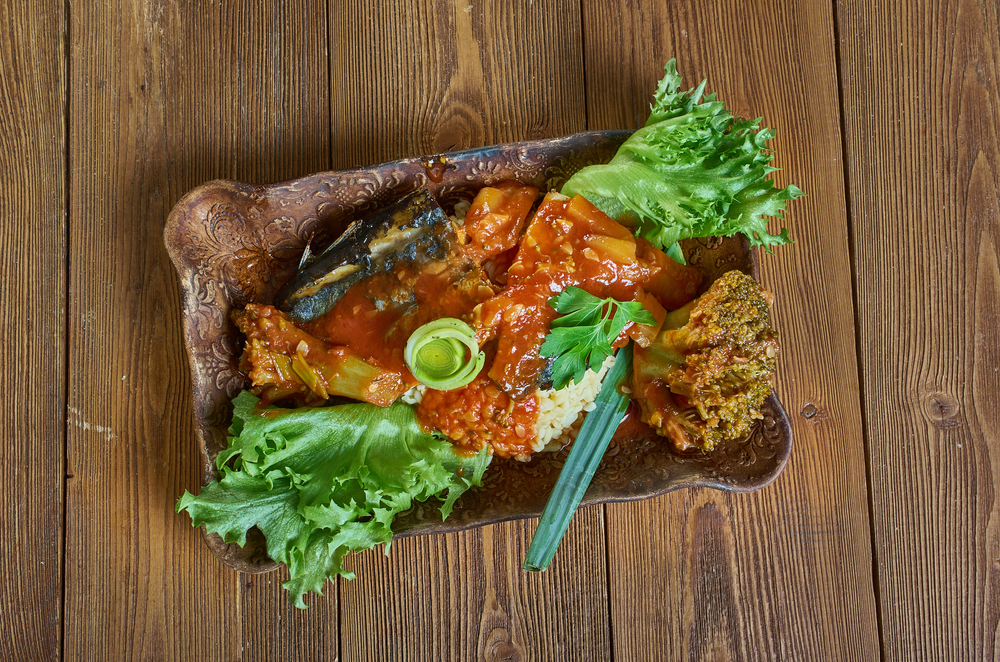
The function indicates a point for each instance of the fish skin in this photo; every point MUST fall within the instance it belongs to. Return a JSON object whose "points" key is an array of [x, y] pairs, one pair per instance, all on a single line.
{"points": [[413, 229]]}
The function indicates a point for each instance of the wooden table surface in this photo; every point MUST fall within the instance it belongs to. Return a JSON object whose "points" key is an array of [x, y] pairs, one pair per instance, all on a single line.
{"points": [[880, 539]]}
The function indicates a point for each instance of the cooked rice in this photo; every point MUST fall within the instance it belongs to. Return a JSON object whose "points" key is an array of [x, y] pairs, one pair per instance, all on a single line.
{"points": [[414, 395], [461, 209], [559, 412]]}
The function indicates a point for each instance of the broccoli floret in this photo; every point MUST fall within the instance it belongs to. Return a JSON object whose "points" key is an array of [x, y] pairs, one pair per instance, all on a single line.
{"points": [[705, 376]]}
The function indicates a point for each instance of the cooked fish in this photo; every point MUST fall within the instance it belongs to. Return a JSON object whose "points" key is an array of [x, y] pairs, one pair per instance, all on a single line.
{"points": [[414, 229]]}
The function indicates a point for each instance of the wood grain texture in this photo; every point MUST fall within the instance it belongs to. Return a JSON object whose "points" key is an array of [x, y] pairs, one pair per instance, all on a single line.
{"points": [[443, 75], [921, 115], [784, 573], [439, 76], [159, 97], [165, 96], [464, 597], [32, 326]]}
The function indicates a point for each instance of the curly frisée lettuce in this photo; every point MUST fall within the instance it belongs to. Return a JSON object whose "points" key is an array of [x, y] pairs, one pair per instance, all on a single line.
{"points": [[693, 171], [321, 482]]}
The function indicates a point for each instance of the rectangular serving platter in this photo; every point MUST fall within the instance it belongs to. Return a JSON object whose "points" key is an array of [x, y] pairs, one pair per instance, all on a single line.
{"points": [[234, 243]]}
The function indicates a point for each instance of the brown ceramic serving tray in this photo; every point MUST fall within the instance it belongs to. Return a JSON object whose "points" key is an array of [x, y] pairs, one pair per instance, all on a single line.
{"points": [[234, 243]]}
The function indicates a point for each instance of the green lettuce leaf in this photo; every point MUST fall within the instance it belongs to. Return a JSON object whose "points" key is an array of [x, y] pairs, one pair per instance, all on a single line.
{"points": [[321, 482], [694, 170]]}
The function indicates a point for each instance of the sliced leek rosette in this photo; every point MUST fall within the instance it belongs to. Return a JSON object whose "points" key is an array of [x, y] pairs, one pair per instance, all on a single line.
{"points": [[443, 354]]}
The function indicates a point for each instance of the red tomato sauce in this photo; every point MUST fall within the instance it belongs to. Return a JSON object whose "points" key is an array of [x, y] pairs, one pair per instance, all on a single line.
{"points": [[568, 242]]}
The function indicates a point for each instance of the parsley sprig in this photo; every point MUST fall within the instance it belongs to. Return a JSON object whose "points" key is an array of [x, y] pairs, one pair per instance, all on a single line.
{"points": [[581, 338]]}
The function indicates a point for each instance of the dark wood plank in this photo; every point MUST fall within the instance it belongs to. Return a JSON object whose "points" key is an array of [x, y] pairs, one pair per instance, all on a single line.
{"points": [[165, 97], [921, 116], [425, 77], [784, 573], [32, 325]]}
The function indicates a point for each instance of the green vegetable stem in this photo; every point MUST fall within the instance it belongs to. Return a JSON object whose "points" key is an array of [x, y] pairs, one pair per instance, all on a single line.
{"points": [[584, 457]]}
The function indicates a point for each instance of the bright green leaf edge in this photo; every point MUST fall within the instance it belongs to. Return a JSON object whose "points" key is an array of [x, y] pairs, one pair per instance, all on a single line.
{"points": [[322, 482]]}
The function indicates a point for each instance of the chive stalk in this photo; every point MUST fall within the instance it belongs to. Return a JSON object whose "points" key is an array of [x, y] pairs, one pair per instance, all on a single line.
{"points": [[598, 428]]}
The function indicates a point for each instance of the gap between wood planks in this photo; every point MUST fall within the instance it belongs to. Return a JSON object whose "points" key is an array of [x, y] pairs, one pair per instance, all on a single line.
{"points": [[67, 199]]}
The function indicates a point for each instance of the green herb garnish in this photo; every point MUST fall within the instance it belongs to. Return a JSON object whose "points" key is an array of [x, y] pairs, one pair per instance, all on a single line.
{"points": [[582, 337]]}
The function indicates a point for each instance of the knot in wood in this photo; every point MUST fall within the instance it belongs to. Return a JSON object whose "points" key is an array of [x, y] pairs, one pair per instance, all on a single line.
{"points": [[941, 410], [460, 127]]}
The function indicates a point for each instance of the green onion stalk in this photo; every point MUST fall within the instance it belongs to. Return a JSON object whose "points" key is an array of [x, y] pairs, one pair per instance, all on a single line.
{"points": [[585, 455]]}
